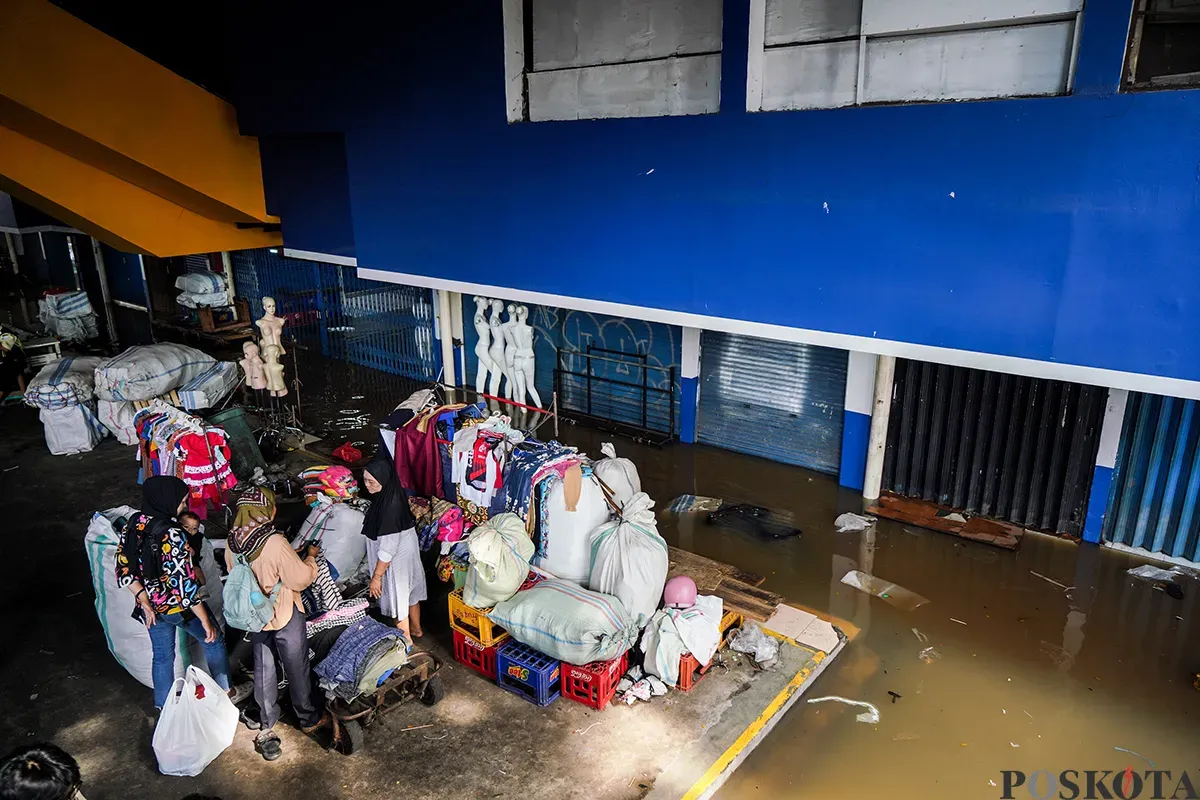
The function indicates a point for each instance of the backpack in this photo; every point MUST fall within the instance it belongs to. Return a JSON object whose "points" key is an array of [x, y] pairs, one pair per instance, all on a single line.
{"points": [[246, 607]]}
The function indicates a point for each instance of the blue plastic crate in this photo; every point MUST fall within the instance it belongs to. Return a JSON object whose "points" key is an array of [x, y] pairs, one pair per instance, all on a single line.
{"points": [[527, 673]]}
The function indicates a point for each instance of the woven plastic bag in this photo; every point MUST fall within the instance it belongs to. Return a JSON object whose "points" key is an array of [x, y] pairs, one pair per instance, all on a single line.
{"points": [[567, 622], [629, 559]]}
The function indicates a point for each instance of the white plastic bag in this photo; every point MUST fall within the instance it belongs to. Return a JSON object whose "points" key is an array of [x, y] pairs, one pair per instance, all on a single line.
{"points": [[146, 371], [117, 417], [500, 552], [629, 559], [568, 533], [71, 430], [618, 474], [128, 639], [338, 527], [196, 725]]}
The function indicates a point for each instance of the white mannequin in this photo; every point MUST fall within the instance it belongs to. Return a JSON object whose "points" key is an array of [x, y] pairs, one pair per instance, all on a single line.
{"points": [[510, 354], [496, 351], [270, 327], [482, 344], [524, 363]]}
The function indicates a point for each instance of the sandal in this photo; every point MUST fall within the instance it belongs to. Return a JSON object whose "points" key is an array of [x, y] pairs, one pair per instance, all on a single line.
{"points": [[268, 745]]}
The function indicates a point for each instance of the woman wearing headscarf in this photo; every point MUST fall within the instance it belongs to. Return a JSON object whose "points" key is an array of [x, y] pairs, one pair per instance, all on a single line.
{"points": [[156, 563], [398, 579], [274, 563]]}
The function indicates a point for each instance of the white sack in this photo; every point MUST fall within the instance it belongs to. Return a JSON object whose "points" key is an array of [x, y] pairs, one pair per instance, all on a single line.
{"points": [[200, 300], [629, 559], [147, 371], [567, 622], [618, 474], [117, 417], [195, 726], [673, 632], [567, 534], [500, 552], [338, 528], [200, 283], [65, 382], [71, 430], [210, 387], [128, 639]]}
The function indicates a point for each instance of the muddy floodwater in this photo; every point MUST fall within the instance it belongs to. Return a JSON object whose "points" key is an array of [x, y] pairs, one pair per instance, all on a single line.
{"points": [[1029, 676]]}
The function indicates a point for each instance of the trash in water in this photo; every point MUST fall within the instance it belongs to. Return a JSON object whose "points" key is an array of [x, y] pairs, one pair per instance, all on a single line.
{"points": [[750, 639], [1049, 580], [885, 590], [906, 737], [1139, 755], [920, 636], [929, 655], [1150, 572], [953, 516], [959, 621], [1014, 744], [1062, 658], [895, 696], [766, 523], [871, 715], [690, 503], [852, 522]]}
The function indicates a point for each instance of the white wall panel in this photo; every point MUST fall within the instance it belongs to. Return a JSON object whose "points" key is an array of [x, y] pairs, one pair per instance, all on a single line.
{"points": [[895, 16], [791, 21], [810, 76], [577, 33], [671, 87], [994, 62]]}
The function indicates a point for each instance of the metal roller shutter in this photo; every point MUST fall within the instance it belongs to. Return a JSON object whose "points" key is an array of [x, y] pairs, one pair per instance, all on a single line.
{"points": [[778, 400], [1004, 446]]}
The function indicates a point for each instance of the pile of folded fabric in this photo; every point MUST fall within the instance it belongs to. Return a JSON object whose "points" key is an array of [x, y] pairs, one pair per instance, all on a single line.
{"points": [[363, 657]]}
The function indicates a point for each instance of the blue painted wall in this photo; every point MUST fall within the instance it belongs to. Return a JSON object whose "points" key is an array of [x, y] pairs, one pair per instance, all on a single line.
{"points": [[1057, 229]]}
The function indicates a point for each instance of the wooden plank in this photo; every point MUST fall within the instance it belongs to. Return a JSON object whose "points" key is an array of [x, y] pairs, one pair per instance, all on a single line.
{"points": [[925, 514], [753, 603], [710, 572]]}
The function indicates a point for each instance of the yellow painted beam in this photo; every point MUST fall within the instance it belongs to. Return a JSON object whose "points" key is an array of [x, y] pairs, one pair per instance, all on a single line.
{"points": [[115, 211], [84, 93]]}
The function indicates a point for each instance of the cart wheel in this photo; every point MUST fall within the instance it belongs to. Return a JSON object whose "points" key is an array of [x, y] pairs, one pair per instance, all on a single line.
{"points": [[355, 740], [434, 691]]}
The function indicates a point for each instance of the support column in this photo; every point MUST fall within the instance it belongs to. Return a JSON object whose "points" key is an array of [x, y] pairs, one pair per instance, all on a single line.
{"points": [[456, 335], [885, 374], [689, 385], [856, 419], [1106, 461], [445, 339], [105, 295], [227, 268]]}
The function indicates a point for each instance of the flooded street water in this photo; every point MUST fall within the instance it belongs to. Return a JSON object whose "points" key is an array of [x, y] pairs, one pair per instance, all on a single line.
{"points": [[1031, 677]]}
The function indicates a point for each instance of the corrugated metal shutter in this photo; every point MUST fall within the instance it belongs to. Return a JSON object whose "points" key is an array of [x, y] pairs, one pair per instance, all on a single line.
{"points": [[1004, 446], [778, 400], [1156, 481], [197, 263]]}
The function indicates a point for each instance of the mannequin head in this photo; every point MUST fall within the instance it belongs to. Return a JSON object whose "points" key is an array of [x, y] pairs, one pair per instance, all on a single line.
{"points": [[250, 350], [497, 307], [268, 304], [522, 313], [480, 302], [512, 311], [271, 353]]}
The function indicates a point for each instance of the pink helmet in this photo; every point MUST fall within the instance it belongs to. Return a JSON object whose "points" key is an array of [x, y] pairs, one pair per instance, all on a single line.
{"points": [[680, 592]]}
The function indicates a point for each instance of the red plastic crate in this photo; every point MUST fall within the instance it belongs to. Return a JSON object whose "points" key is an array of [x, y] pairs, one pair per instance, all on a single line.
{"points": [[594, 684], [471, 653], [690, 671]]}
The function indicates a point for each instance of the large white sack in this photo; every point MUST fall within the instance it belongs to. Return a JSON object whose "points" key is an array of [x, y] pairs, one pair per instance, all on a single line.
{"points": [[117, 417], [71, 430], [618, 474], [210, 593], [69, 316], [66, 382], [146, 371], [567, 622], [567, 534], [198, 299], [200, 283], [500, 552], [338, 527], [128, 639], [629, 559]]}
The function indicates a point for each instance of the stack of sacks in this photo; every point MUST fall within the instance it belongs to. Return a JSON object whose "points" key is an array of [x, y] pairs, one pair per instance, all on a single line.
{"points": [[63, 391], [143, 373], [201, 289], [69, 316], [500, 552], [567, 622], [629, 559]]}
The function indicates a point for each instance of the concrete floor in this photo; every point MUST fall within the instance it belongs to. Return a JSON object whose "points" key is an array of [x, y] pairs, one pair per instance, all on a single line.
{"points": [[60, 683]]}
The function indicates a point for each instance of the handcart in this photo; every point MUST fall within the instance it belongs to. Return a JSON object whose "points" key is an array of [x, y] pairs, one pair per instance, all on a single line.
{"points": [[418, 679]]}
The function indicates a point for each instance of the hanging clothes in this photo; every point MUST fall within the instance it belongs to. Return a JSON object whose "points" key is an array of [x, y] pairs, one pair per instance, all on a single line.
{"points": [[172, 442]]}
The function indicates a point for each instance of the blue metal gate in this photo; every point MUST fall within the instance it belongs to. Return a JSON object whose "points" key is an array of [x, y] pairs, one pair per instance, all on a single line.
{"points": [[384, 326], [1156, 481]]}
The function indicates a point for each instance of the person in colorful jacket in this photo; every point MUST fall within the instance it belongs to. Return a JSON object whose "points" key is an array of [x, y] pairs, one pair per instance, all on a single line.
{"points": [[156, 564]]}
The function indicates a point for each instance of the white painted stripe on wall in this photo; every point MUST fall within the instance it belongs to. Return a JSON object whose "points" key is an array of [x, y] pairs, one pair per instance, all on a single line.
{"points": [[40, 229], [689, 364], [860, 382], [328, 258], [1135, 382], [756, 55], [1110, 430]]}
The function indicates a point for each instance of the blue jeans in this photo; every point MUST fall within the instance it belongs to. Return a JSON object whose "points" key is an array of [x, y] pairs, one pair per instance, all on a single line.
{"points": [[163, 639]]}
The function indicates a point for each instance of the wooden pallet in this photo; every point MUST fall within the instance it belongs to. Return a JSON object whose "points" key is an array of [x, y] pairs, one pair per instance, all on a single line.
{"points": [[738, 590]]}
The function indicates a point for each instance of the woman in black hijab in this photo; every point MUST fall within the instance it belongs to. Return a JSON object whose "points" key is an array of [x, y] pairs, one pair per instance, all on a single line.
{"points": [[156, 563], [398, 579]]}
